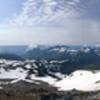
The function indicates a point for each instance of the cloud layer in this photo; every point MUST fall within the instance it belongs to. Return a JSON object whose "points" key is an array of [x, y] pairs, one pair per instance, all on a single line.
{"points": [[54, 22], [40, 12]]}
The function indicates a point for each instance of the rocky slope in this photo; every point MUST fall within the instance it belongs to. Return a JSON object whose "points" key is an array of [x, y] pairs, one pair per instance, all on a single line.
{"points": [[29, 91]]}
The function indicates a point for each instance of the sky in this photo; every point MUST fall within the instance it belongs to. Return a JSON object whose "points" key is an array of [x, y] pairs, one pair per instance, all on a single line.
{"points": [[68, 22]]}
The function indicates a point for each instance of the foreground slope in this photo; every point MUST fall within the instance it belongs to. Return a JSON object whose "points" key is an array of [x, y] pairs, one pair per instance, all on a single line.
{"points": [[31, 71], [34, 80]]}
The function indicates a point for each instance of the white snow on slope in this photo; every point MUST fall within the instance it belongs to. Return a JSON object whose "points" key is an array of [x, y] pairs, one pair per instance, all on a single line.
{"points": [[81, 80], [46, 79], [60, 50], [12, 74]]}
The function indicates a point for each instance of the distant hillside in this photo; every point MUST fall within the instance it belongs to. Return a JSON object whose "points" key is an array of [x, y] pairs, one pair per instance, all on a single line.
{"points": [[14, 49], [9, 56]]}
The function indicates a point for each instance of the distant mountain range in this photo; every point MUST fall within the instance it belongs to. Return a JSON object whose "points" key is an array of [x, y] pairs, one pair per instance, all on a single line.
{"points": [[64, 59], [57, 52], [77, 54]]}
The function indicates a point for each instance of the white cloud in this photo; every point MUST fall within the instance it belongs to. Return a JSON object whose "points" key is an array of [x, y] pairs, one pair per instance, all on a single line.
{"points": [[45, 11]]}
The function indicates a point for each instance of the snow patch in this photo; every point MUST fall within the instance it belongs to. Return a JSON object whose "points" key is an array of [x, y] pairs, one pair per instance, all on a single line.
{"points": [[80, 80]]}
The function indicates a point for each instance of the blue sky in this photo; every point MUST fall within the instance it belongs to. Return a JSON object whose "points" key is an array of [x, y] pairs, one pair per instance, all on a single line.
{"points": [[49, 22], [8, 8]]}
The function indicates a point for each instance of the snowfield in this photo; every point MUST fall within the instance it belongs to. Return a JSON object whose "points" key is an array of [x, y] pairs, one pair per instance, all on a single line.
{"points": [[82, 80]]}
